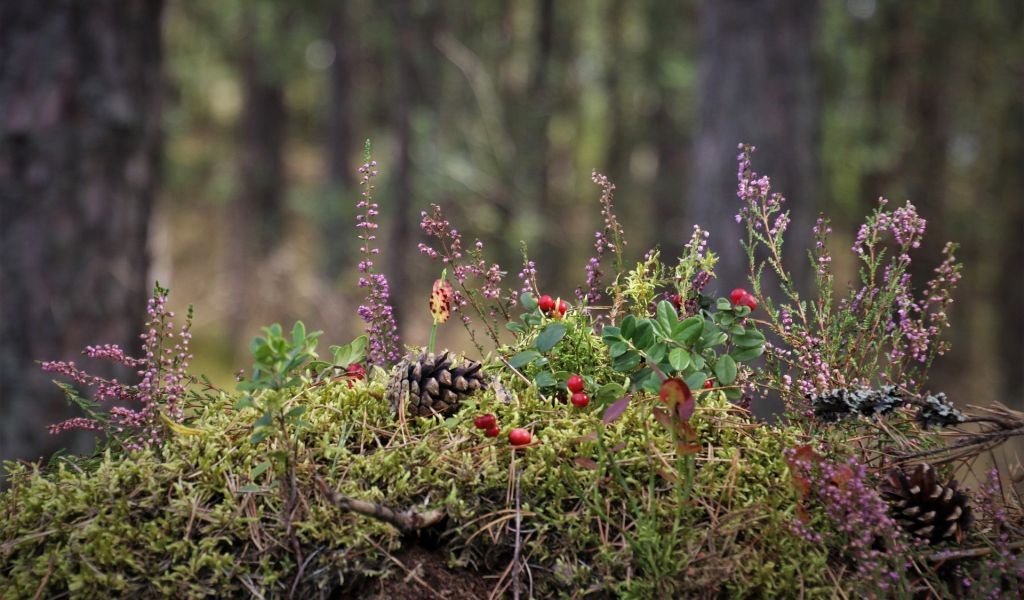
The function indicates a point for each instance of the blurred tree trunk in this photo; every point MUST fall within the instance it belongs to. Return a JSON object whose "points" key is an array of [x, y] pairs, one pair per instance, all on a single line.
{"points": [[400, 251], [758, 85], [257, 210], [528, 122], [670, 27], [341, 140], [80, 86]]}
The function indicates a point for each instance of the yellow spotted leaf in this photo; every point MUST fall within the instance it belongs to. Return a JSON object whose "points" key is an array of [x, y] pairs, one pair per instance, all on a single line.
{"points": [[441, 301]]}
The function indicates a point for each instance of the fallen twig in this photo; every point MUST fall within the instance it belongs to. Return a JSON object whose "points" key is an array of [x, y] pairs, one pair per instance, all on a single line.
{"points": [[971, 552], [406, 521]]}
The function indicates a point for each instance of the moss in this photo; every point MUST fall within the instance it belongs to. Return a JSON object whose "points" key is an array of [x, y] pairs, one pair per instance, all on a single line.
{"points": [[175, 522]]}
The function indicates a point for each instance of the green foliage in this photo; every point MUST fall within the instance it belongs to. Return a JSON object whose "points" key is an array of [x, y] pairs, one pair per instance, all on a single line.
{"points": [[278, 359], [548, 351], [691, 348]]}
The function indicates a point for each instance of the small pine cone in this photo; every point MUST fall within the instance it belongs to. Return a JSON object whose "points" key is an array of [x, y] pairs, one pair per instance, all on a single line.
{"points": [[925, 507], [434, 384]]}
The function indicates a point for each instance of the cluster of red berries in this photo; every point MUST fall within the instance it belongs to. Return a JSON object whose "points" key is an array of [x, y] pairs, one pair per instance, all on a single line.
{"points": [[489, 424], [355, 372], [579, 397], [551, 307], [741, 297]]}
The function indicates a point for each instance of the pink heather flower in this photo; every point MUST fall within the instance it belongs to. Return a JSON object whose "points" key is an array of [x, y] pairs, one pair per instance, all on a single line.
{"points": [[377, 312], [163, 381]]}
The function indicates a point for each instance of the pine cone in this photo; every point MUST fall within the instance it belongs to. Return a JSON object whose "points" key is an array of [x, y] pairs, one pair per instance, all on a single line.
{"points": [[434, 384], [925, 507]]}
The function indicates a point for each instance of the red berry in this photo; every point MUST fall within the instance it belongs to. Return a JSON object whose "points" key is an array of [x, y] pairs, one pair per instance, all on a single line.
{"points": [[493, 432], [562, 307], [749, 301], [546, 304], [579, 400], [736, 296], [485, 421], [575, 384], [356, 371], [710, 383], [677, 300], [519, 437]]}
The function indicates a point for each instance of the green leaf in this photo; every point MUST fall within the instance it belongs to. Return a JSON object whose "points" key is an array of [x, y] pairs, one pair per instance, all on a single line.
{"points": [[688, 331], [514, 327], [611, 333], [679, 358], [264, 420], [656, 353], [353, 352], [646, 379], [667, 316], [527, 300], [628, 326], [259, 436], [524, 358], [695, 380], [550, 336], [250, 488], [725, 370], [627, 361], [259, 469], [544, 379], [749, 339], [618, 348], [609, 392], [298, 410], [298, 333], [747, 354], [723, 304], [643, 337]]}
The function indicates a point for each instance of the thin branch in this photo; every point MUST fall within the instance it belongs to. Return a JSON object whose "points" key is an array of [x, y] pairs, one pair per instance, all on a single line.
{"points": [[406, 521], [939, 557]]}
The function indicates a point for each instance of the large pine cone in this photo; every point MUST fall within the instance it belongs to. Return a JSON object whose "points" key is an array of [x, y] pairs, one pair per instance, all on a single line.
{"points": [[434, 384], [925, 507]]}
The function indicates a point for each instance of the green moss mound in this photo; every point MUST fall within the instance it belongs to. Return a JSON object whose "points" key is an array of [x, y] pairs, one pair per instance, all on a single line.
{"points": [[187, 520]]}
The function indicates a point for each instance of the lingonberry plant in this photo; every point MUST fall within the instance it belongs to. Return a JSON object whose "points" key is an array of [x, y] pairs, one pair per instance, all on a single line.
{"points": [[140, 412]]}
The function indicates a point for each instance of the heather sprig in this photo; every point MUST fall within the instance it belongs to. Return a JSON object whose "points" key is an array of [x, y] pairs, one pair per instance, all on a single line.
{"points": [[377, 311], [694, 271], [856, 518], [881, 334], [611, 239], [478, 282], [135, 419]]}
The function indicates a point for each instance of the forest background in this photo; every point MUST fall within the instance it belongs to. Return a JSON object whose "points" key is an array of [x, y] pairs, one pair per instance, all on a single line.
{"points": [[213, 146]]}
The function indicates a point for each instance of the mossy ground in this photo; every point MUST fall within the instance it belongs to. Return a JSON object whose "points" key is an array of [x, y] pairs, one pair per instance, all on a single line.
{"points": [[175, 521]]}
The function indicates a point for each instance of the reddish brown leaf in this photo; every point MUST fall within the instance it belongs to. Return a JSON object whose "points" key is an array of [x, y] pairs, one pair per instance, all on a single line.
{"points": [[662, 417], [615, 409], [590, 437], [678, 396], [587, 463]]}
